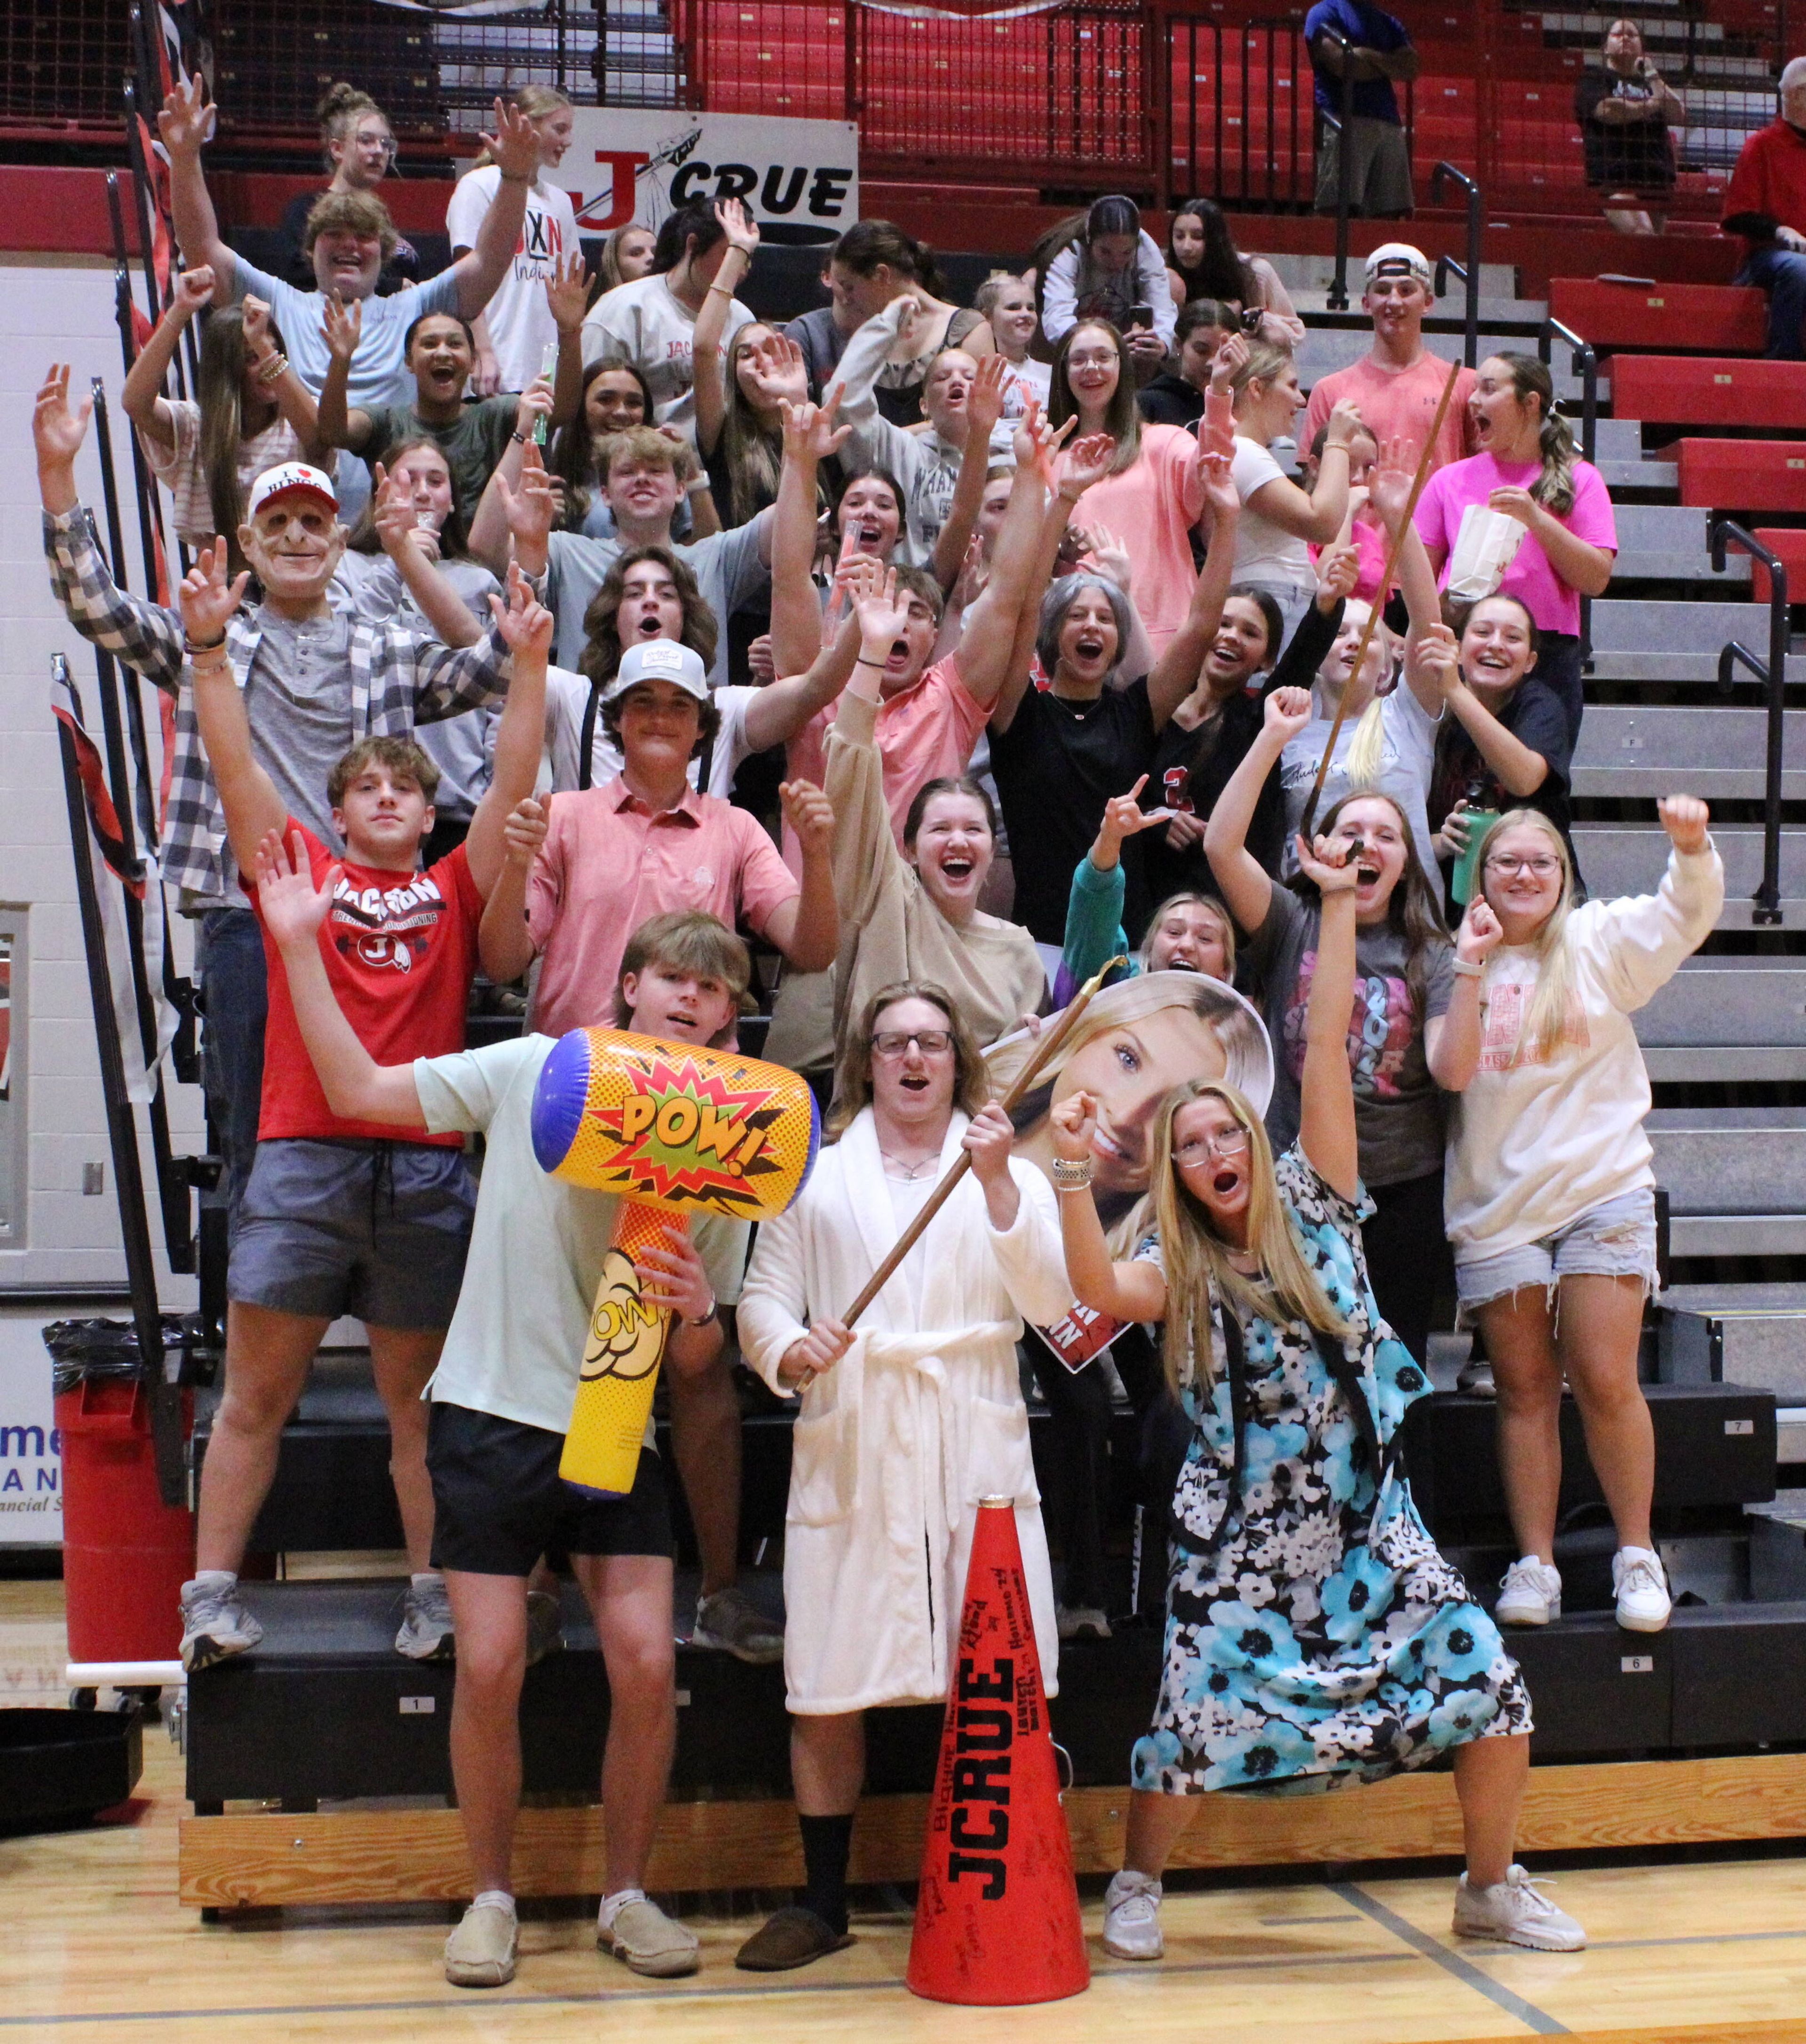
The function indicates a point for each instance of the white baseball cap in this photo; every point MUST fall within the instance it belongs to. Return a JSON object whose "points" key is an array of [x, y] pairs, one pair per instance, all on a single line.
{"points": [[659, 660], [1393, 259], [291, 476]]}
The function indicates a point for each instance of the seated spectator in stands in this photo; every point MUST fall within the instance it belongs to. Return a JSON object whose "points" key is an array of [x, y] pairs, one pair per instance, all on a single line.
{"points": [[1624, 106], [1766, 204], [1112, 270], [648, 841], [626, 256], [315, 683], [1203, 262], [1396, 386], [518, 332], [652, 321], [359, 148], [642, 472], [337, 1218], [912, 912], [615, 396], [942, 471], [1527, 467], [1008, 305], [1506, 745], [1278, 518], [348, 237], [439, 350], [873, 263], [1153, 495], [379, 579], [537, 1250], [1176, 398], [1059, 753], [250, 411], [1380, 54]]}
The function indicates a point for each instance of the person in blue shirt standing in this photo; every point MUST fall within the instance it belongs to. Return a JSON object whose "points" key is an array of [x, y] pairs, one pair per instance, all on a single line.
{"points": [[1380, 184]]}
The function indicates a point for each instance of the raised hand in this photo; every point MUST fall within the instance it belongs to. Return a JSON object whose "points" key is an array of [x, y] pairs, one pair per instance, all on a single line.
{"points": [[1111, 554], [1344, 424], [342, 325], [567, 290], [57, 427], [530, 507], [1087, 460], [1287, 711], [195, 292], [514, 145], [1437, 653], [524, 622], [811, 432], [1071, 1122], [989, 1139], [208, 599], [1123, 817], [523, 832], [1480, 934], [1686, 818], [1231, 356], [1338, 570], [292, 907], [534, 404], [186, 119], [871, 589], [780, 370], [810, 813], [738, 226], [393, 517], [984, 401], [1389, 480], [1221, 498], [1332, 866]]}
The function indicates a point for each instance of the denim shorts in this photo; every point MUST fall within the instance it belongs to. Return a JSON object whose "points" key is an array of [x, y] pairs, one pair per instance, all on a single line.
{"points": [[1617, 1239], [378, 1230]]}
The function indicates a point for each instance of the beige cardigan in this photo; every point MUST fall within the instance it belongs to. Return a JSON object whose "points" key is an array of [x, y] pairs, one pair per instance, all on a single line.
{"points": [[890, 928]]}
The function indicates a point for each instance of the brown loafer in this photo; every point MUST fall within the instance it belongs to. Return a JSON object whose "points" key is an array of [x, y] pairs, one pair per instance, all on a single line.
{"points": [[793, 1937]]}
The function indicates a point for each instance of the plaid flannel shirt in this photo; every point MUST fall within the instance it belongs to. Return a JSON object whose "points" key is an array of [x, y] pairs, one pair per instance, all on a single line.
{"points": [[398, 679]]}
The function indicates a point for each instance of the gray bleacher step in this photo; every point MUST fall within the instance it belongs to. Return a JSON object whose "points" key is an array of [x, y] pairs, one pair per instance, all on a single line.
{"points": [[1618, 860], [1644, 477], [1655, 750], [1739, 1334], [1667, 542], [1309, 302], [1615, 440], [1747, 1161], [1310, 272], [1723, 1019]]}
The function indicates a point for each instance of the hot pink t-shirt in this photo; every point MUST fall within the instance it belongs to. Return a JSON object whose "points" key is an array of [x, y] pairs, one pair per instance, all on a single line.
{"points": [[608, 862], [1397, 401], [1151, 507], [1369, 543], [924, 734], [1554, 604]]}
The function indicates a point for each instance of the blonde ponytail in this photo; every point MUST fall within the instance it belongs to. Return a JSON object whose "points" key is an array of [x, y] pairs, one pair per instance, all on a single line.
{"points": [[1361, 768]]}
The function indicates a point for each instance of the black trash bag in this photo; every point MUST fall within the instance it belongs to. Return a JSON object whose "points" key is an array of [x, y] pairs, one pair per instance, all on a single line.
{"points": [[106, 1351]]}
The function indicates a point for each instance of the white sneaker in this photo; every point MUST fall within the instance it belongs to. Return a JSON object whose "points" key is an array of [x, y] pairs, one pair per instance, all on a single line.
{"points": [[215, 1622], [1530, 1593], [1081, 1621], [1132, 1917], [1515, 1912], [1640, 1583]]}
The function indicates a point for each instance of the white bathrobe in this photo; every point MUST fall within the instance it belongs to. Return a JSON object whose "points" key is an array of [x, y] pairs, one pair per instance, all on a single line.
{"points": [[924, 1416]]}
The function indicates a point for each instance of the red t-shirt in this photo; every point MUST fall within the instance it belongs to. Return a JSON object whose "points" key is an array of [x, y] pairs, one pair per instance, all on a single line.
{"points": [[400, 950], [1770, 177]]}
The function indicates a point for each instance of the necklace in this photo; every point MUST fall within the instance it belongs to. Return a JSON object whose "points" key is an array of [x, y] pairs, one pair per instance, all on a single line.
{"points": [[908, 1170]]}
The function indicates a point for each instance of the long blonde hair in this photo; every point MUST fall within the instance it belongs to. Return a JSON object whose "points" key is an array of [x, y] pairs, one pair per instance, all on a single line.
{"points": [[1366, 749], [1555, 1017], [1195, 1259], [533, 102]]}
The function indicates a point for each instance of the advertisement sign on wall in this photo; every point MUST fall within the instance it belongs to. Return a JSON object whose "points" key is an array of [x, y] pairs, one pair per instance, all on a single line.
{"points": [[30, 1466]]}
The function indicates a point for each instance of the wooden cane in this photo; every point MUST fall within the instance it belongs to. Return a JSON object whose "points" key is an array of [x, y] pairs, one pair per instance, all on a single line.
{"points": [[1393, 551], [942, 1192]]}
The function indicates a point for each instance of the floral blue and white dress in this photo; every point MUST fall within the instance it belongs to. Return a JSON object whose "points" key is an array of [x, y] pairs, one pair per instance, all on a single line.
{"points": [[1315, 1636]]}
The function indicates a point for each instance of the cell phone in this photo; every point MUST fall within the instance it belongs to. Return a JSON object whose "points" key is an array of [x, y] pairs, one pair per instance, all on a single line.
{"points": [[1141, 316]]}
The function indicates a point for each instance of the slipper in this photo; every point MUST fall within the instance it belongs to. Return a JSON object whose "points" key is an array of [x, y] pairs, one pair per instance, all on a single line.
{"points": [[793, 1937]]}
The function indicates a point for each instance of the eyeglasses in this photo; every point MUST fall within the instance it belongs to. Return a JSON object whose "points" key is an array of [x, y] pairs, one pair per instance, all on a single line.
{"points": [[1503, 863], [894, 1043], [387, 144], [1231, 1142]]}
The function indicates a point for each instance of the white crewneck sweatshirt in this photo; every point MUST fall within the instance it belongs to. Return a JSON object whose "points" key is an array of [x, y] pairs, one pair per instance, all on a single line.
{"points": [[1532, 1147]]}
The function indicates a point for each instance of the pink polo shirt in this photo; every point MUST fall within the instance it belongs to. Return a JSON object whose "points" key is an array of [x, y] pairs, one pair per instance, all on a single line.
{"points": [[608, 862]]}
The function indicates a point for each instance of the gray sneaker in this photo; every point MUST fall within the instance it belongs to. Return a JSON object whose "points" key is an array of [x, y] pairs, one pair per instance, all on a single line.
{"points": [[215, 1623], [729, 1621], [426, 1633]]}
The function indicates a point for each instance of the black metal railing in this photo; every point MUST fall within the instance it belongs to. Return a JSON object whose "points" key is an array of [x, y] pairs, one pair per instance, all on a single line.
{"points": [[1772, 674], [1469, 272]]}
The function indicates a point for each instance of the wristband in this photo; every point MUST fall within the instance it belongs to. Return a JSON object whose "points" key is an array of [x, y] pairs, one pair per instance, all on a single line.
{"points": [[1470, 968], [862, 661], [271, 369], [520, 439], [704, 1319], [725, 290], [205, 646], [1072, 1174], [507, 179]]}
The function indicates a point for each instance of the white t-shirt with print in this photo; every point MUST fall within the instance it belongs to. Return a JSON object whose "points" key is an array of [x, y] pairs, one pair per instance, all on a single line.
{"points": [[520, 323], [654, 329]]}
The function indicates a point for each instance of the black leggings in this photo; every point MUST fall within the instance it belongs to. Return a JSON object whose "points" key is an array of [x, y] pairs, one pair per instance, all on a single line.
{"points": [[1409, 1258]]}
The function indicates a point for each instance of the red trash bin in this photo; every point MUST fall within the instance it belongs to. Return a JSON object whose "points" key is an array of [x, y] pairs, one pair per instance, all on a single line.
{"points": [[126, 1554]]}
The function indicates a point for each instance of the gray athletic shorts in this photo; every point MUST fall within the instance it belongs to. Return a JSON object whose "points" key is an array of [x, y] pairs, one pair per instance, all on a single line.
{"points": [[376, 1230]]}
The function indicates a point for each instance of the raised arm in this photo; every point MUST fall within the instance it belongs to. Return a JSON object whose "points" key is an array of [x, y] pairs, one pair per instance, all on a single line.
{"points": [[989, 643], [273, 370], [1247, 888], [520, 518], [811, 433], [527, 625], [1318, 517], [357, 1088], [1175, 672], [184, 123], [142, 399], [567, 290], [807, 928], [781, 709], [1134, 1291], [1389, 491], [707, 356], [865, 853], [336, 425], [515, 149], [505, 944], [1453, 1040], [1024, 567], [1517, 768], [1094, 909], [254, 810], [984, 407], [447, 614], [1326, 1107]]}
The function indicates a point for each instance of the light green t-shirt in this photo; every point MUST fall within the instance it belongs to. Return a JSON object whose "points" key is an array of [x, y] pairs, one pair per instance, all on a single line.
{"points": [[516, 1339]]}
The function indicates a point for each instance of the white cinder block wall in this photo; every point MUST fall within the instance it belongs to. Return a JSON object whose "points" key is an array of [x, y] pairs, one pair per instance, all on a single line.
{"points": [[57, 309]]}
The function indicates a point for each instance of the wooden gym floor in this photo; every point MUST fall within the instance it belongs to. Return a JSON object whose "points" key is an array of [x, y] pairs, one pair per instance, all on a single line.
{"points": [[93, 1947]]}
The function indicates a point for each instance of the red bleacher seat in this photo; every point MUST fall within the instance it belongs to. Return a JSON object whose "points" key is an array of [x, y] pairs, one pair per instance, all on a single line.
{"points": [[1742, 475], [1709, 391], [1725, 319], [1789, 543]]}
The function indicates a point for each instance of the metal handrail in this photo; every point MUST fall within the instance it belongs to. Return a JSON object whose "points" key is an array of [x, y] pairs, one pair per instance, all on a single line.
{"points": [[1337, 301], [1469, 272], [1721, 532], [1586, 365]]}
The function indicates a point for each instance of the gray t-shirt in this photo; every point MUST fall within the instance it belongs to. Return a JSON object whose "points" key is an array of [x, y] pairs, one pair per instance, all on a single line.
{"points": [[1397, 1104], [727, 566], [516, 1337], [1407, 759]]}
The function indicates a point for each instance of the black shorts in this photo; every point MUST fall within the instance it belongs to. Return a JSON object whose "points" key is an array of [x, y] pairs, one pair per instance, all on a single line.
{"points": [[499, 1502]]}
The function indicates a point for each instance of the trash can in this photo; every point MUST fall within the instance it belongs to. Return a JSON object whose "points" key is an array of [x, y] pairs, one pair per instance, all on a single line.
{"points": [[126, 1554]]}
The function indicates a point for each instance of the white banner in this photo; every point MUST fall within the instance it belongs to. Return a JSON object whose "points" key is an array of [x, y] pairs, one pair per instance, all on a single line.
{"points": [[800, 179], [31, 1468]]}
